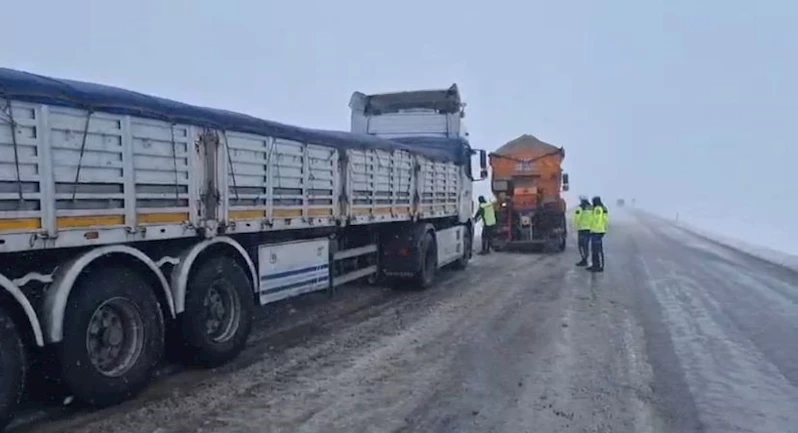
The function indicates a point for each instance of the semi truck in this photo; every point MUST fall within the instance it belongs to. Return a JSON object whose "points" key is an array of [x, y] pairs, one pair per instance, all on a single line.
{"points": [[129, 223], [527, 179]]}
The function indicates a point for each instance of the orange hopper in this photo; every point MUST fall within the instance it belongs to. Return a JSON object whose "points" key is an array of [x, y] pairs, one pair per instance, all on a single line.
{"points": [[527, 179]]}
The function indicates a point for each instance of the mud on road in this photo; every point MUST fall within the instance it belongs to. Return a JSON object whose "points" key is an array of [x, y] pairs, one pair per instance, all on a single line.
{"points": [[517, 342]]}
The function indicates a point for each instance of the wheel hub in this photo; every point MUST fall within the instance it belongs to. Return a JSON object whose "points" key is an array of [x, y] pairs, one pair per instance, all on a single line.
{"points": [[222, 309], [115, 337]]}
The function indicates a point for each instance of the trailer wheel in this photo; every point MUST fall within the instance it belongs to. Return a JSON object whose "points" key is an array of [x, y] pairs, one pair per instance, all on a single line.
{"points": [[219, 310], [429, 262], [113, 336], [13, 368]]}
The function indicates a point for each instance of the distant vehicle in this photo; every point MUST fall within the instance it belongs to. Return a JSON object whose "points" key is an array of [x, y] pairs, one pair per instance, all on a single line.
{"points": [[527, 178], [620, 202], [123, 215]]}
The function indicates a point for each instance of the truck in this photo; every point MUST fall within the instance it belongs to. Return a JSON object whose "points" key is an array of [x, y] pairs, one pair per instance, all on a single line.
{"points": [[130, 223], [527, 179]]}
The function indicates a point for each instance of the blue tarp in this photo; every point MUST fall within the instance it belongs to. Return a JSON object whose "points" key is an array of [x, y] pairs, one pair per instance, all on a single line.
{"points": [[437, 144], [25, 86]]}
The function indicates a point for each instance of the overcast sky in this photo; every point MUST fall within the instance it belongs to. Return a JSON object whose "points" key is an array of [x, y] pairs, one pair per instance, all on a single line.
{"points": [[685, 103]]}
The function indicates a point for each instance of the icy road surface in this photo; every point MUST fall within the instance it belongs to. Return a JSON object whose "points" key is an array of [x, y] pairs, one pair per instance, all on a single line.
{"points": [[679, 335]]}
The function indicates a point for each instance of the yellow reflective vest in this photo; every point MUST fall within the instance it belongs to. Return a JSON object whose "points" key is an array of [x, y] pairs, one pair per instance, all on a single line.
{"points": [[488, 214], [600, 220], [583, 218]]}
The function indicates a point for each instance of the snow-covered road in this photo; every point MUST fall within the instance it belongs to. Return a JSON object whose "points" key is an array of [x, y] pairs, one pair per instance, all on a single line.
{"points": [[680, 334]]}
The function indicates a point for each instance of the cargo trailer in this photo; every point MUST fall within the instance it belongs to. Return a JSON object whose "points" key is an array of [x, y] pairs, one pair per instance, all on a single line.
{"points": [[123, 215]]}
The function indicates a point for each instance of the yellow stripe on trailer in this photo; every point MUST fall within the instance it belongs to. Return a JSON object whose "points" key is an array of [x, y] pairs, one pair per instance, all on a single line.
{"points": [[90, 221], [163, 218], [400, 210], [94, 221], [287, 213], [20, 224], [245, 215], [320, 212]]}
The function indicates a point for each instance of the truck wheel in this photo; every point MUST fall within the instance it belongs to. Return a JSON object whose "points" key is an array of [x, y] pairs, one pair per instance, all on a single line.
{"points": [[468, 249], [13, 368], [113, 336], [218, 315], [429, 262]]}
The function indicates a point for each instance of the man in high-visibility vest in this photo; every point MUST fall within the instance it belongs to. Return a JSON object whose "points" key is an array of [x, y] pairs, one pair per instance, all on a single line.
{"points": [[582, 223], [598, 228], [488, 215]]}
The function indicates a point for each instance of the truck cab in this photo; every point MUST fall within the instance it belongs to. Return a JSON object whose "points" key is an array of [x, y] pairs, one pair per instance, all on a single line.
{"points": [[411, 116], [422, 113], [429, 119]]}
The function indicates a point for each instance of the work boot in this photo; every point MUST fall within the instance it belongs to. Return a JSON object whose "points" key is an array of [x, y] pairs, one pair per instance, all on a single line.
{"points": [[595, 269], [581, 263]]}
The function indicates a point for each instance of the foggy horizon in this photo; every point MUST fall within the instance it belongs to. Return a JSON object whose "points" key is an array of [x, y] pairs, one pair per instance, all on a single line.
{"points": [[683, 106]]}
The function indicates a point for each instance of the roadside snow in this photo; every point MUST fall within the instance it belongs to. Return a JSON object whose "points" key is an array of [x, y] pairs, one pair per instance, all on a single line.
{"points": [[768, 254]]}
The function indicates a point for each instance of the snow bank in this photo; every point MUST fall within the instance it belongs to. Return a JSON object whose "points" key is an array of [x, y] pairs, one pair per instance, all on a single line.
{"points": [[761, 252]]}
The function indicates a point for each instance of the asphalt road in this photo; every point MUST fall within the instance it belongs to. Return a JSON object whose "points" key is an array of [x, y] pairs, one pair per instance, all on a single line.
{"points": [[678, 335]]}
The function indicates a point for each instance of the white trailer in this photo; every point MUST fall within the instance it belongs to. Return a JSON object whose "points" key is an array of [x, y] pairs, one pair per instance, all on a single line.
{"points": [[123, 215]]}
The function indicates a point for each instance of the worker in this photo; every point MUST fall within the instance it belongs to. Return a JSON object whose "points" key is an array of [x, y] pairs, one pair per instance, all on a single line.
{"points": [[598, 228], [488, 215], [582, 222]]}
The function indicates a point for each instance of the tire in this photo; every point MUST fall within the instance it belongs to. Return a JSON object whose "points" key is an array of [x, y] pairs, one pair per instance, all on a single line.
{"points": [[468, 249], [107, 305], [425, 277], [13, 368], [563, 243], [219, 312]]}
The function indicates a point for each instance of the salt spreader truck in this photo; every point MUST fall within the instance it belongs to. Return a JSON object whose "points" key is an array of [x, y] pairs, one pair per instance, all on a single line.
{"points": [[123, 215], [527, 178]]}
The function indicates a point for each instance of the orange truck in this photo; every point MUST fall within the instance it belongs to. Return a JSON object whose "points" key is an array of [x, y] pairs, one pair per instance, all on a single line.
{"points": [[527, 180]]}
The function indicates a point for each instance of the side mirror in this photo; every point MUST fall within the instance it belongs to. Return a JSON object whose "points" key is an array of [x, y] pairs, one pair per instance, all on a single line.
{"points": [[565, 184], [483, 165]]}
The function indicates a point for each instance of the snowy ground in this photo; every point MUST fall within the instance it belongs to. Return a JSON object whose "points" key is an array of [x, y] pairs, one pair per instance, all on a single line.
{"points": [[763, 224], [774, 242], [681, 334], [754, 248]]}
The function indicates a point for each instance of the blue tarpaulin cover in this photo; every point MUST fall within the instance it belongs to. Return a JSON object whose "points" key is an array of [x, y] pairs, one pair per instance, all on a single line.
{"points": [[25, 86]]}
